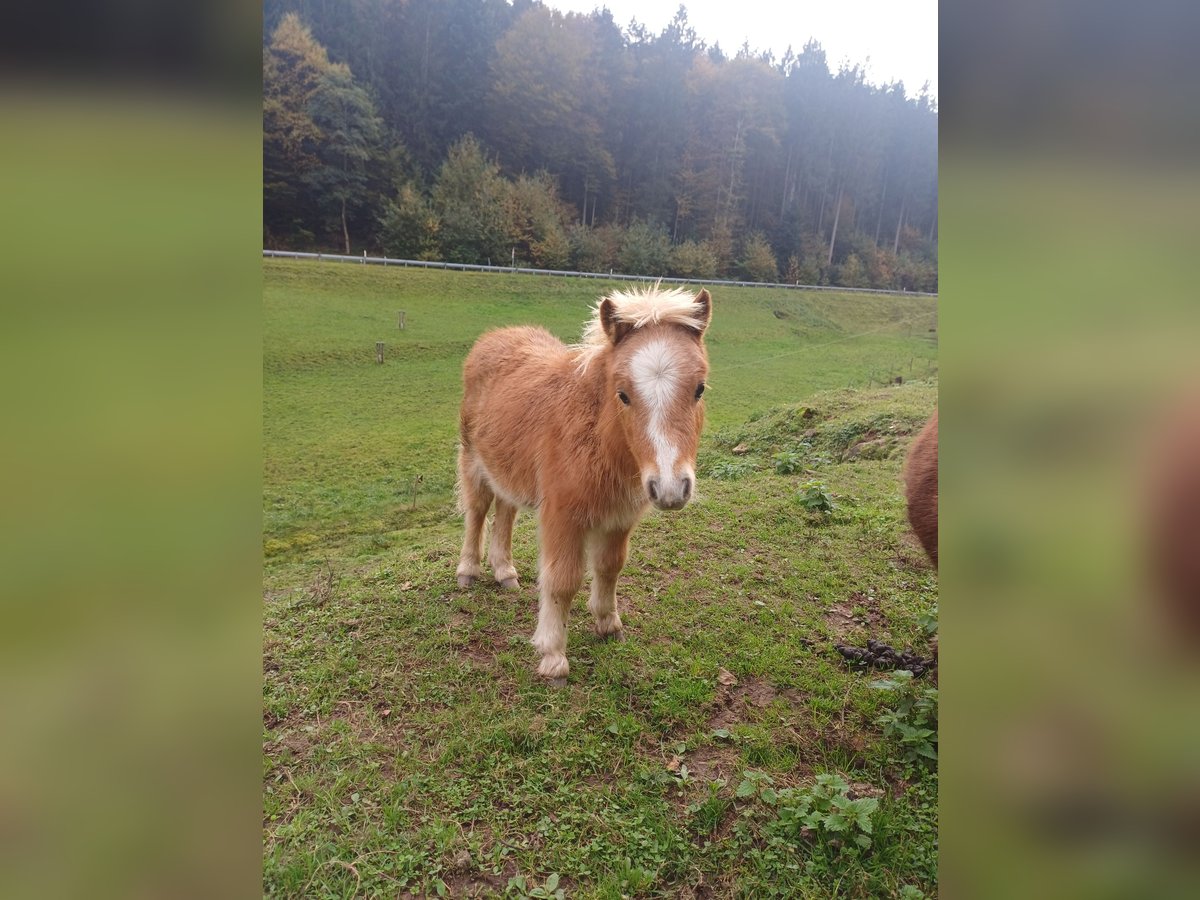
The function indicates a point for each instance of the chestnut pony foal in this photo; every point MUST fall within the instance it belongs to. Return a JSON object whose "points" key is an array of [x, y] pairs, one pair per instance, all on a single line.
{"points": [[589, 435]]}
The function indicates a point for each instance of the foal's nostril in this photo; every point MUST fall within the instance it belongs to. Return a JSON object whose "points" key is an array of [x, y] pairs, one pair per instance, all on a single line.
{"points": [[687, 488], [652, 488]]}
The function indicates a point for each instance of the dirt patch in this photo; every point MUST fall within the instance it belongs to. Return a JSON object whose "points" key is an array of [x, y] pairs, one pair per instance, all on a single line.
{"points": [[297, 742], [477, 884], [712, 761], [844, 621], [291, 734], [732, 702], [478, 654], [870, 446], [270, 720], [478, 647]]}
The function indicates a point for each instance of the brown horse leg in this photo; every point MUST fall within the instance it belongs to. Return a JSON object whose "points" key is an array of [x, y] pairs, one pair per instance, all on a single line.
{"points": [[500, 553], [476, 498], [608, 558], [559, 577]]}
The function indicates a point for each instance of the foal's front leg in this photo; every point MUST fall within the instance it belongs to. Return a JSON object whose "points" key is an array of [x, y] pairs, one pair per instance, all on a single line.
{"points": [[560, 573], [609, 551]]}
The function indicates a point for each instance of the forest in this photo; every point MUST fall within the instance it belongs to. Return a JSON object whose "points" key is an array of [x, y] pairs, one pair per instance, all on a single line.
{"points": [[489, 131]]}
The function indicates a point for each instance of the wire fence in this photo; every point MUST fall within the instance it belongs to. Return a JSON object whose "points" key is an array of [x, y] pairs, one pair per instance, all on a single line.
{"points": [[563, 273]]}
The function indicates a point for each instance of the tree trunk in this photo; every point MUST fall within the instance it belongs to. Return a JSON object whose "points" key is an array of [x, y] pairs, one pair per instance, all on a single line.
{"points": [[899, 225], [882, 203], [345, 231], [837, 215], [787, 180]]}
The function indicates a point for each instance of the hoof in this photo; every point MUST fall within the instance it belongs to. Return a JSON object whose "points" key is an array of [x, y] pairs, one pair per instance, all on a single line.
{"points": [[554, 669], [558, 682], [465, 581], [609, 628], [511, 584]]}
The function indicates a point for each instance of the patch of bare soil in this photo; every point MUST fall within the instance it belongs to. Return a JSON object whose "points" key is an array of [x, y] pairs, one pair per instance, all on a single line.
{"points": [[704, 890], [478, 648], [734, 701], [844, 621], [290, 734], [463, 880], [870, 446], [712, 762], [478, 654]]}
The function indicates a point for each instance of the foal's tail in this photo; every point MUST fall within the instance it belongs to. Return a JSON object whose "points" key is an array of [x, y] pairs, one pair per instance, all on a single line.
{"points": [[460, 479]]}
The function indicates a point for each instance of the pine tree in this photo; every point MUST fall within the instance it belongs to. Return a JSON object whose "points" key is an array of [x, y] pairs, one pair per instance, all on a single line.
{"points": [[471, 201]]}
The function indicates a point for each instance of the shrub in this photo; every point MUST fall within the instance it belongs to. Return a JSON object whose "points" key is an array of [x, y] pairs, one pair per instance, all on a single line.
{"points": [[792, 273], [826, 813], [758, 260], [852, 272], [720, 242], [914, 720], [815, 497], [787, 462], [693, 259], [592, 249], [644, 250], [471, 200], [730, 471], [537, 223], [408, 226]]}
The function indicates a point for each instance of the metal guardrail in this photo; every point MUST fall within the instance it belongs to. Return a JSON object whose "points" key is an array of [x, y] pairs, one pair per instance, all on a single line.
{"points": [[561, 273]]}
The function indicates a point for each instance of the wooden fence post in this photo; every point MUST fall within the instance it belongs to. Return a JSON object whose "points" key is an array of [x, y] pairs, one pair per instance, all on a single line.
{"points": [[400, 319], [379, 352]]}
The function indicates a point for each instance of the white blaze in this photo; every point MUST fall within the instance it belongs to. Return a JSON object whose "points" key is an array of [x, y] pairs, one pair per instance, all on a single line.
{"points": [[656, 379]]}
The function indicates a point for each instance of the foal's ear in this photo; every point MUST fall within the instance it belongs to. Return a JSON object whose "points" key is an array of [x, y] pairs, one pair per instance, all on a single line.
{"points": [[613, 326], [703, 310]]}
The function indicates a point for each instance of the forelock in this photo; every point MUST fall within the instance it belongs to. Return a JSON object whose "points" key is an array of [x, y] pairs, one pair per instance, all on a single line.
{"points": [[640, 307]]}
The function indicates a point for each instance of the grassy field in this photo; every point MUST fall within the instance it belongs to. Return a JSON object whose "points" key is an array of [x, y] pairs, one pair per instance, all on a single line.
{"points": [[408, 748]]}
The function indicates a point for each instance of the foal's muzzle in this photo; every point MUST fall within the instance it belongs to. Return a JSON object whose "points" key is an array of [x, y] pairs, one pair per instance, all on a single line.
{"points": [[669, 494]]}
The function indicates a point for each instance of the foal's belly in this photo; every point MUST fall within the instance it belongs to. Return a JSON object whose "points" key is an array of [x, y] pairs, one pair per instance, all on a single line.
{"points": [[509, 482]]}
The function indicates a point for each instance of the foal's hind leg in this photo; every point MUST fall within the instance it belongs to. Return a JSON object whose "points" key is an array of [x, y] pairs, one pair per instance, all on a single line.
{"points": [[500, 552], [559, 576], [609, 551], [476, 497]]}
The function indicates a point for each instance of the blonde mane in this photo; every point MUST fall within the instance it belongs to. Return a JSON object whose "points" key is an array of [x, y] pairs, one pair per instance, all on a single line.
{"points": [[639, 308]]}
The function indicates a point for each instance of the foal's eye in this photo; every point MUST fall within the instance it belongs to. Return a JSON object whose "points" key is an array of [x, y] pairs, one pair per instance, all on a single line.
{"points": [[699, 390], [624, 397]]}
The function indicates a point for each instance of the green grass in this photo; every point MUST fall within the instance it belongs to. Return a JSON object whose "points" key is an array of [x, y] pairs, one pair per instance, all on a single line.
{"points": [[408, 747]]}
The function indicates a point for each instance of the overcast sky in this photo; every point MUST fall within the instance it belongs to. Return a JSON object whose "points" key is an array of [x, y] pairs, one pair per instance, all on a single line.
{"points": [[895, 40]]}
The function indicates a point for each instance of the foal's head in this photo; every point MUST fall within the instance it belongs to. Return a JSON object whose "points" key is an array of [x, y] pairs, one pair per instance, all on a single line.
{"points": [[656, 373]]}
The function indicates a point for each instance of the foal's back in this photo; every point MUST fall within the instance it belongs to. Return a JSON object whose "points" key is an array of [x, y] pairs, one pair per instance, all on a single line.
{"points": [[515, 388]]}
